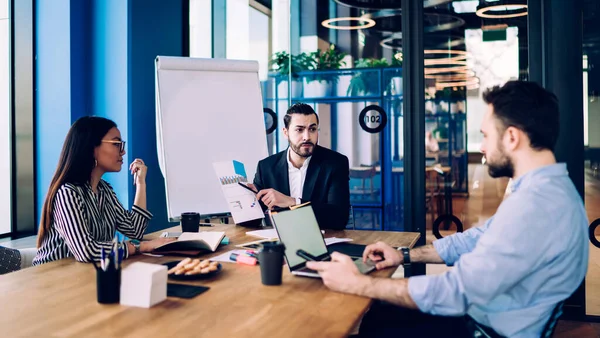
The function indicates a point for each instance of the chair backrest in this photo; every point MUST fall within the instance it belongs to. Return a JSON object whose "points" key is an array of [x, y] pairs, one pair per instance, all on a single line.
{"points": [[365, 175], [362, 172], [10, 260], [481, 331], [351, 224], [27, 256], [551, 323], [432, 184]]}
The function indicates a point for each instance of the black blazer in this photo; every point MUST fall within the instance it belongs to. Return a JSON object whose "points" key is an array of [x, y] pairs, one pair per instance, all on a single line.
{"points": [[326, 185]]}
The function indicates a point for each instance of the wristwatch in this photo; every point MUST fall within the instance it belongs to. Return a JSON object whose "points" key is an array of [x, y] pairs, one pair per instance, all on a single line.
{"points": [[406, 254], [137, 246]]}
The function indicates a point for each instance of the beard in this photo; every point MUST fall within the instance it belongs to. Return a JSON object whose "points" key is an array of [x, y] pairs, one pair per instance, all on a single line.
{"points": [[501, 167], [302, 152]]}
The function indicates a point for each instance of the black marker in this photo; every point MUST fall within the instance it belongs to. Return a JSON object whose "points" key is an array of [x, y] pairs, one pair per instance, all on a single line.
{"points": [[306, 255], [247, 187]]}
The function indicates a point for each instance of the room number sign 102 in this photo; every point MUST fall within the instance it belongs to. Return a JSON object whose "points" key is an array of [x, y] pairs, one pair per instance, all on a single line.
{"points": [[372, 119]]}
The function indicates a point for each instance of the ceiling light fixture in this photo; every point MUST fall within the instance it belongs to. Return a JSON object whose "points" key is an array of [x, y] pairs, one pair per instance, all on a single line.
{"points": [[367, 23], [442, 70], [385, 4], [445, 51], [445, 61], [456, 76], [390, 22], [474, 81], [486, 12], [459, 59]]}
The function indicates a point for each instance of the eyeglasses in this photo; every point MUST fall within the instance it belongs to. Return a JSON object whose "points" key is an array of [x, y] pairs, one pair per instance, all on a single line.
{"points": [[120, 144]]}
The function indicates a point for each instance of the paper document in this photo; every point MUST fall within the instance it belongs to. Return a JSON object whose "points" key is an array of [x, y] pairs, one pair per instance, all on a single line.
{"points": [[263, 234], [242, 202], [334, 240], [272, 234]]}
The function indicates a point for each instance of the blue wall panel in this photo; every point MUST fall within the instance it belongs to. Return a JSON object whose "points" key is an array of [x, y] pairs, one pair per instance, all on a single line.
{"points": [[97, 57], [155, 28], [109, 41], [52, 88], [80, 27]]}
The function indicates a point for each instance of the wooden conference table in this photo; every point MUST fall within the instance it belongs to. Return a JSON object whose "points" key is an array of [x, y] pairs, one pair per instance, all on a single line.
{"points": [[58, 299]]}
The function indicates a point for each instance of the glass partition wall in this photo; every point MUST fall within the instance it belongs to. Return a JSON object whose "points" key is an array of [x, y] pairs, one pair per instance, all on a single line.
{"points": [[346, 59], [5, 120]]}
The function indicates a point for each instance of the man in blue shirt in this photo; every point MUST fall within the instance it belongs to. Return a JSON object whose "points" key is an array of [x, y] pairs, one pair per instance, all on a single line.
{"points": [[508, 274]]}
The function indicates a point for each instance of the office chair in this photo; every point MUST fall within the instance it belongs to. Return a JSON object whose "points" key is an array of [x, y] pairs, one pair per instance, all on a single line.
{"points": [[13, 259], [10, 260]]}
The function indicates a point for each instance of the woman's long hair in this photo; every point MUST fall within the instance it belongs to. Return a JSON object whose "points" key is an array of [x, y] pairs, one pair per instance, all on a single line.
{"points": [[75, 164]]}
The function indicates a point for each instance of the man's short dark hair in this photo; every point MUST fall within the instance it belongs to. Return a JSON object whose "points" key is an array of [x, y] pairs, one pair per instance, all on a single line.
{"points": [[298, 108], [529, 107]]}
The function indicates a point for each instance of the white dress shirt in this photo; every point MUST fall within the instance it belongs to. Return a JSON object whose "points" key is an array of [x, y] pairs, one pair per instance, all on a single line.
{"points": [[297, 177]]}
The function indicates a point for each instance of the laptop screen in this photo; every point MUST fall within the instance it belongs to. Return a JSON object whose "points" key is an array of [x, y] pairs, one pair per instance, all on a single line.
{"points": [[298, 229]]}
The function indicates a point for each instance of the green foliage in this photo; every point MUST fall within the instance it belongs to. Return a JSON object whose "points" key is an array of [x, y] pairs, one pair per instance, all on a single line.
{"points": [[397, 60], [363, 83], [443, 95], [331, 59], [284, 65], [371, 63], [458, 94]]}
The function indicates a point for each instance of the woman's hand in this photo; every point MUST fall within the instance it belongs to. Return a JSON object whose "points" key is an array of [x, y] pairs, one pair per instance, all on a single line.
{"points": [[148, 246], [138, 170]]}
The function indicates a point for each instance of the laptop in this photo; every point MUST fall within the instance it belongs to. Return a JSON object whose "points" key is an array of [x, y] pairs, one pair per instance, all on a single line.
{"points": [[298, 229]]}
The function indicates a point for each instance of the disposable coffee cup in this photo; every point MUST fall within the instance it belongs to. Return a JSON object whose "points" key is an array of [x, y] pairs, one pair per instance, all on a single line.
{"points": [[270, 258]]}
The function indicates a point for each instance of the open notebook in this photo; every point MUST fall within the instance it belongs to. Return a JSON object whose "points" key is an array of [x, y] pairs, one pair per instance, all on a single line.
{"points": [[192, 243]]}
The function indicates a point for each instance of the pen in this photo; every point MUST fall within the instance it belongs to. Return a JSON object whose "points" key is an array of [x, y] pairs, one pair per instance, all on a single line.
{"points": [[114, 253], [121, 254], [102, 258]]}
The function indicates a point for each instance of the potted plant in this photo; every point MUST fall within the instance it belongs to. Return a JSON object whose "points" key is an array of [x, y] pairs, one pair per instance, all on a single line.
{"points": [[429, 100], [458, 97], [289, 67], [319, 85], [363, 83], [396, 87], [442, 98]]}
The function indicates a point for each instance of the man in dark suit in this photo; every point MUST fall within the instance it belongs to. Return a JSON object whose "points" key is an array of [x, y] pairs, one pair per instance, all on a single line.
{"points": [[306, 172]]}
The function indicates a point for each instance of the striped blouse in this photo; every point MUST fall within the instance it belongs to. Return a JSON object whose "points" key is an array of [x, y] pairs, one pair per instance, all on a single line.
{"points": [[84, 222]]}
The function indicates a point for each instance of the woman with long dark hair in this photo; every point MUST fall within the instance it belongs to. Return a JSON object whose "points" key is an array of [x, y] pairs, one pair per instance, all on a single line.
{"points": [[81, 212]]}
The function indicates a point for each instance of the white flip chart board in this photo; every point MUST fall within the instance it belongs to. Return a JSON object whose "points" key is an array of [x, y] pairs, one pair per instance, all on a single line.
{"points": [[207, 110]]}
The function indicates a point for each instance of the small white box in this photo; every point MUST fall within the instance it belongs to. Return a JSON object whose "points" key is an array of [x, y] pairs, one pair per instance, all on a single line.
{"points": [[143, 284]]}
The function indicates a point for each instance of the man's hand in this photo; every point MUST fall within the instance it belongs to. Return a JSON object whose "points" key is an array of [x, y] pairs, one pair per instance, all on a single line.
{"points": [[273, 198], [341, 274], [384, 255], [252, 186]]}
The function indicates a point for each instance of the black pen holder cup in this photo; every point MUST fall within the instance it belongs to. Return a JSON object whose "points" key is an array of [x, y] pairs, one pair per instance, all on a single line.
{"points": [[190, 222], [108, 285]]}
